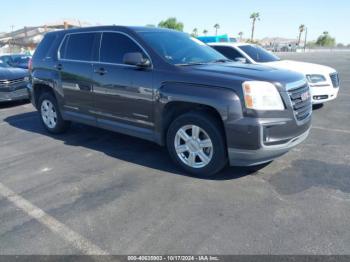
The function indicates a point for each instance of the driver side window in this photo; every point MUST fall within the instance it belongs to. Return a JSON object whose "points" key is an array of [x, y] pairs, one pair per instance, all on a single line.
{"points": [[115, 45]]}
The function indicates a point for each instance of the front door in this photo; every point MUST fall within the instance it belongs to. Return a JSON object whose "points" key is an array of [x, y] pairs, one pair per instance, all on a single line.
{"points": [[123, 93]]}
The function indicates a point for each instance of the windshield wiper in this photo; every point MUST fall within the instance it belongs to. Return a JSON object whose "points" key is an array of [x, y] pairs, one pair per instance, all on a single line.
{"points": [[222, 60], [194, 63]]}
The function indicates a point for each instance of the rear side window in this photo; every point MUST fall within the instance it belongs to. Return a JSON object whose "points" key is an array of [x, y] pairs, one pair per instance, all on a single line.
{"points": [[229, 52], [78, 46], [45, 50], [115, 45]]}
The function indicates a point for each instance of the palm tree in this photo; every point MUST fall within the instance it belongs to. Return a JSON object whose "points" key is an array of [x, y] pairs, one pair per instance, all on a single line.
{"points": [[195, 32], [301, 30], [240, 36], [217, 27], [254, 16], [205, 31]]}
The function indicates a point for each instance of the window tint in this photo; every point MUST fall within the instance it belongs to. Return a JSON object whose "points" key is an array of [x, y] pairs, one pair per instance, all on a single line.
{"points": [[6, 59], [229, 52], [79, 47], [20, 59], [44, 47], [114, 46], [63, 48], [3, 64], [180, 48], [259, 54]]}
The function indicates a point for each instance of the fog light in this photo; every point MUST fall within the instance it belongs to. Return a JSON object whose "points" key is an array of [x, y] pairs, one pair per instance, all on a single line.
{"points": [[320, 97]]}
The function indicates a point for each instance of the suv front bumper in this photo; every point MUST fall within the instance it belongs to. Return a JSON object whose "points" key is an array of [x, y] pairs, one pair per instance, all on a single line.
{"points": [[245, 157], [254, 141]]}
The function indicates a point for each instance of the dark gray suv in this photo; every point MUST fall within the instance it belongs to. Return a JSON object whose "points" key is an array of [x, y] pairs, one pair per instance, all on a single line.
{"points": [[166, 87]]}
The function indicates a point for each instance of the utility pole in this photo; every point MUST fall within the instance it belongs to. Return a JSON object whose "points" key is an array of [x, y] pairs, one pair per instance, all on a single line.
{"points": [[11, 39], [305, 39]]}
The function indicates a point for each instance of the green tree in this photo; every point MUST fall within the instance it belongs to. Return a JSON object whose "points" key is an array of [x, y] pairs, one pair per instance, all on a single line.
{"points": [[255, 17], [205, 31], [195, 32], [217, 27], [301, 30], [325, 40], [172, 23]]}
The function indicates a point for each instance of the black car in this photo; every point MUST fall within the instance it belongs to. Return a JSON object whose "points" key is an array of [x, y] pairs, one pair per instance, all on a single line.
{"points": [[169, 88], [16, 60], [13, 83]]}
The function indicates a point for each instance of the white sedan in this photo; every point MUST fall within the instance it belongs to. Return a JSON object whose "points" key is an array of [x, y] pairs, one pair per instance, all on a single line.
{"points": [[323, 80]]}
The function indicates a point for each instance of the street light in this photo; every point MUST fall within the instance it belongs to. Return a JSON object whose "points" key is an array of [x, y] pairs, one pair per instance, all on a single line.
{"points": [[305, 39]]}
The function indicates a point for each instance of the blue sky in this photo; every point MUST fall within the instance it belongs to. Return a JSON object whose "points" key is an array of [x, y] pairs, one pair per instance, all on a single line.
{"points": [[278, 18]]}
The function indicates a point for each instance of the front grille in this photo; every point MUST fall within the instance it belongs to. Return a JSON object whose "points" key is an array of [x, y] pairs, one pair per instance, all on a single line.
{"points": [[302, 108], [6, 83], [335, 79]]}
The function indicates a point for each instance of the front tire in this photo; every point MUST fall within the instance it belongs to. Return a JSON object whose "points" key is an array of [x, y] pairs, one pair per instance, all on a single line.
{"points": [[50, 114], [196, 142]]}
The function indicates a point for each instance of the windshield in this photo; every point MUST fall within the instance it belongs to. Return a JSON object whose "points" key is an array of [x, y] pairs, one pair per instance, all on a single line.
{"points": [[2, 64], [20, 59], [258, 54], [181, 49]]}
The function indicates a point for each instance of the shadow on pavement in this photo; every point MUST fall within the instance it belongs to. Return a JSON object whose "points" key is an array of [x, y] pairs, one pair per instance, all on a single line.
{"points": [[9, 104], [120, 146], [317, 106]]}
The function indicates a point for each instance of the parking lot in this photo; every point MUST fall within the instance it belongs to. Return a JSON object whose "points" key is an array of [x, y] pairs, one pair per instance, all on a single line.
{"points": [[94, 191]]}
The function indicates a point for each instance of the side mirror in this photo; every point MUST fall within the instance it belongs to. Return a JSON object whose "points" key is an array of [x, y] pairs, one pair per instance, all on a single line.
{"points": [[241, 60], [136, 59]]}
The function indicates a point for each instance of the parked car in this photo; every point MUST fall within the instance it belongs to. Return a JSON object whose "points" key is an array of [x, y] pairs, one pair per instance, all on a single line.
{"points": [[13, 83], [16, 60], [323, 80], [167, 87]]}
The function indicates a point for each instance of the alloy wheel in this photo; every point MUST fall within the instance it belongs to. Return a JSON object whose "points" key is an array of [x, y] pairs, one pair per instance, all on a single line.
{"points": [[193, 146], [49, 114]]}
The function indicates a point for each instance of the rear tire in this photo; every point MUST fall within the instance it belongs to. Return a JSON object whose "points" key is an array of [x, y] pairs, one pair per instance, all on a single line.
{"points": [[196, 142], [50, 114]]}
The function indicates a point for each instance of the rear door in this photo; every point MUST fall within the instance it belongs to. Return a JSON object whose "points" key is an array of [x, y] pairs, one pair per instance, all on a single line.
{"points": [[76, 71], [123, 93]]}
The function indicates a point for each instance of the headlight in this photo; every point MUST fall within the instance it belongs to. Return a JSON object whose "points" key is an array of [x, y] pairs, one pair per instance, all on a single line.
{"points": [[26, 79], [261, 95], [315, 78]]}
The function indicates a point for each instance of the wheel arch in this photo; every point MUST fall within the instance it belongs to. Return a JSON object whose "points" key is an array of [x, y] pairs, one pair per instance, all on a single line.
{"points": [[39, 89], [177, 98]]}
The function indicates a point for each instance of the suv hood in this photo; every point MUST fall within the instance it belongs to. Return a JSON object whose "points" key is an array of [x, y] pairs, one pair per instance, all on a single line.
{"points": [[10, 73], [301, 67], [244, 72]]}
